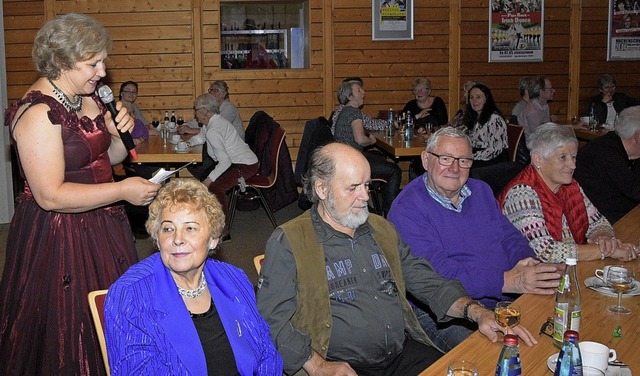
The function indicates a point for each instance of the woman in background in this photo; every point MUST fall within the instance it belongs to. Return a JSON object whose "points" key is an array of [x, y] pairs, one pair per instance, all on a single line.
{"points": [[548, 206], [180, 312], [128, 95], [424, 108], [69, 234], [486, 127]]}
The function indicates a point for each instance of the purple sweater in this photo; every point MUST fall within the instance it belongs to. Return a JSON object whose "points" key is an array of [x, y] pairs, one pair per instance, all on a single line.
{"points": [[475, 246]]}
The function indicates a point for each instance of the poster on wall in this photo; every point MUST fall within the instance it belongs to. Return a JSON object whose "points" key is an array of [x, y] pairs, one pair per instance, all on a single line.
{"points": [[516, 30], [392, 19], [624, 30]]}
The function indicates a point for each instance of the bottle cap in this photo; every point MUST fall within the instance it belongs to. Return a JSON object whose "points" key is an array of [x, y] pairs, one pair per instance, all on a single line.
{"points": [[510, 339], [571, 261], [571, 335]]}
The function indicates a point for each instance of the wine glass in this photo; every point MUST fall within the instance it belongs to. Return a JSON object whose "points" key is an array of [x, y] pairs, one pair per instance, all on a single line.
{"points": [[462, 368], [507, 314], [620, 280], [180, 120], [155, 122]]}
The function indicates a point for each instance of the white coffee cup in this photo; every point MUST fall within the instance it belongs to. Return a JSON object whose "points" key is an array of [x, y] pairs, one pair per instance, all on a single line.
{"points": [[175, 138], [182, 146], [604, 272], [172, 125], [596, 355], [585, 120]]}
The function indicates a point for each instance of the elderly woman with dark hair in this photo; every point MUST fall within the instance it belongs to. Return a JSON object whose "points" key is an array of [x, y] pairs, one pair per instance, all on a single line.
{"points": [[180, 312], [69, 234], [349, 129], [551, 210], [608, 103], [486, 127]]}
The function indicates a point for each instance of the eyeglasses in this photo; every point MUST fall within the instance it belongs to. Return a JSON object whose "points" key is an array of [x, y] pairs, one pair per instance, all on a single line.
{"points": [[547, 327], [446, 160], [196, 109], [133, 92], [215, 90], [609, 87]]}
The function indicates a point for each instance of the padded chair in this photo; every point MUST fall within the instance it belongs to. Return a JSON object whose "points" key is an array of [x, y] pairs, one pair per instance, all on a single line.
{"points": [[514, 134], [96, 305], [258, 182], [257, 262], [375, 195]]}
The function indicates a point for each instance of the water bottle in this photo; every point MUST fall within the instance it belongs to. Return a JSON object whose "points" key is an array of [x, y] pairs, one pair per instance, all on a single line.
{"points": [[166, 119], [568, 308], [593, 121], [509, 360], [409, 128], [390, 118], [569, 361]]}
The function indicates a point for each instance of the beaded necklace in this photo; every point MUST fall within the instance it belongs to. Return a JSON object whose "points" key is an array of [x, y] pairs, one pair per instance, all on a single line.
{"points": [[191, 294], [75, 107]]}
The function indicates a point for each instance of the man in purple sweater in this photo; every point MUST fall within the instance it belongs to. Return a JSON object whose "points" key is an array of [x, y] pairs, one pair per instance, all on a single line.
{"points": [[455, 223]]}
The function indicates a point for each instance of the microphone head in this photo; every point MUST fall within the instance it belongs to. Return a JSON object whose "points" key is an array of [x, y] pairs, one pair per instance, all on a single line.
{"points": [[105, 94]]}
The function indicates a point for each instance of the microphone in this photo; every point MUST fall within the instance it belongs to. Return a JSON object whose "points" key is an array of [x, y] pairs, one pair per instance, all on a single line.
{"points": [[106, 96]]}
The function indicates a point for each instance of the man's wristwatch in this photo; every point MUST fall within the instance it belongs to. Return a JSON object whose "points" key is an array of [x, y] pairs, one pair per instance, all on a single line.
{"points": [[465, 310]]}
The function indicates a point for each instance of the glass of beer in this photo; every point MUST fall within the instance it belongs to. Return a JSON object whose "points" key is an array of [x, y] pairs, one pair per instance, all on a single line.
{"points": [[507, 314]]}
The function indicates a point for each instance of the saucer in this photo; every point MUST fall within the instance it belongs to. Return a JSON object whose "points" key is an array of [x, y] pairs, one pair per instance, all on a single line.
{"points": [[610, 371], [596, 284], [185, 151]]}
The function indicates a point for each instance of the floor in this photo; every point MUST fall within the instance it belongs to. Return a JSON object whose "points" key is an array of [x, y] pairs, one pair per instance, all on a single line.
{"points": [[249, 233]]}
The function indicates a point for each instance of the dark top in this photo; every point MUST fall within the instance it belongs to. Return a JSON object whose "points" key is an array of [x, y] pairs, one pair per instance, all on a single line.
{"points": [[343, 130], [437, 116], [620, 102], [216, 346], [609, 179]]}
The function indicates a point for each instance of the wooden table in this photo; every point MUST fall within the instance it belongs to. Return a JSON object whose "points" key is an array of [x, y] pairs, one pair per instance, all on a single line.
{"points": [[597, 324], [153, 151], [397, 147], [584, 134]]}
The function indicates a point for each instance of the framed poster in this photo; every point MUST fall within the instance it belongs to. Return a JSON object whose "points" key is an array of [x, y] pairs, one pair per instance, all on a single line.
{"points": [[392, 19], [516, 30], [624, 30]]}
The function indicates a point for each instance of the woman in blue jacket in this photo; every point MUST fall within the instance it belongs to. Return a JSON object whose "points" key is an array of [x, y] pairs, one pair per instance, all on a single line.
{"points": [[179, 312]]}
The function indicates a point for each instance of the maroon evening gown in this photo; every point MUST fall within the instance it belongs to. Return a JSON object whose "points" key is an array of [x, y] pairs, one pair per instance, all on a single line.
{"points": [[54, 259]]}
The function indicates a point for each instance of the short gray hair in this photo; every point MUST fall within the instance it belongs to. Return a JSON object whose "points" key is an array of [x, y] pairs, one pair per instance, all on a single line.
{"points": [[209, 102], [535, 86], [220, 84], [322, 166], [550, 136], [346, 90], [604, 80], [447, 132], [628, 122], [421, 81], [66, 40]]}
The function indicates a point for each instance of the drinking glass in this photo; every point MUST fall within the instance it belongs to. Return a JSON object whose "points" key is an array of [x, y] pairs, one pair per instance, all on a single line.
{"points": [[155, 122], [462, 368], [507, 314], [620, 280], [180, 120]]}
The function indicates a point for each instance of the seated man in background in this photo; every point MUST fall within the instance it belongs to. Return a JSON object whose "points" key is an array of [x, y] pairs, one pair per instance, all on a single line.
{"points": [[334, 282], [608, 170], [454, 222], [537, 112]]}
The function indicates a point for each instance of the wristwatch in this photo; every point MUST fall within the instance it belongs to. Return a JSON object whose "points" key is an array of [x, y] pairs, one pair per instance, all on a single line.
{"points": [[465, 310]]}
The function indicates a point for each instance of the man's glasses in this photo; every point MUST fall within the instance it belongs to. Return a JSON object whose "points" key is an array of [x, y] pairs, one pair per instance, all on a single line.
{"points": [[215, 90], [130, 92], [547, 327], [446, 160]]}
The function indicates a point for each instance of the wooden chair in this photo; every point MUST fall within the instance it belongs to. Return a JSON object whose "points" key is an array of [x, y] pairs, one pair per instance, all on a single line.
{"points": [[258, 182], [257, 262], [96, 305], [514, 134]]}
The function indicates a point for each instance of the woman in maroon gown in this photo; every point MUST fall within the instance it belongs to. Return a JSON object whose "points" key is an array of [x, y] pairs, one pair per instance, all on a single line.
{"points": [[68, 235]]}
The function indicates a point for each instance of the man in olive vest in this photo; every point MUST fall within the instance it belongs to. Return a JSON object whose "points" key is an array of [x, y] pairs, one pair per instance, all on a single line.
{"points": [[334, 281]]}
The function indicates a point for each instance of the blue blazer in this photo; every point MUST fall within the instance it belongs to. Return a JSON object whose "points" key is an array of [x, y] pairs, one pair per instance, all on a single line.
{"points": [[149, 329]]}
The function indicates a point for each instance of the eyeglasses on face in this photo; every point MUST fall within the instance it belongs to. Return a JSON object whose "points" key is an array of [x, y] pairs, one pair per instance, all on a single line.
{"points": [[609, 87], [196, 109], [446, 160], [215, 90], [132, 92]]}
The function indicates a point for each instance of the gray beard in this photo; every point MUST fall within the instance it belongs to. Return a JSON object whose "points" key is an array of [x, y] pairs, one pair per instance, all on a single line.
{"points": [[349, 220]]}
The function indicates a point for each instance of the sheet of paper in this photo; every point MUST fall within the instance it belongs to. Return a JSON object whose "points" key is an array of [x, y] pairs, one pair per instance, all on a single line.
{"points": [[163, 174]]}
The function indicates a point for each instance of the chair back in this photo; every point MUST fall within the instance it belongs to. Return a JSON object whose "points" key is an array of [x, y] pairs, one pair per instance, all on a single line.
{"points": [[96, 305], [257, 262], [514, 134], [276, 144]]}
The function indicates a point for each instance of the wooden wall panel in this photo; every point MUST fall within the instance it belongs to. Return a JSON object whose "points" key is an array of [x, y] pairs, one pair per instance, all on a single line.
{"points": [[172, 49]]}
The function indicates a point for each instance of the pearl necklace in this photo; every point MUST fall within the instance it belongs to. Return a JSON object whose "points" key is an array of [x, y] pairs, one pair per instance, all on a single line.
{"points": [[192, 294], [75, 107]]}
